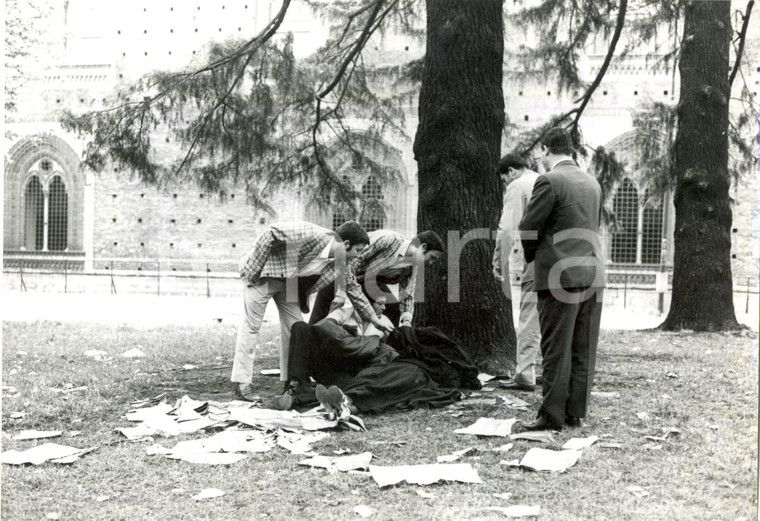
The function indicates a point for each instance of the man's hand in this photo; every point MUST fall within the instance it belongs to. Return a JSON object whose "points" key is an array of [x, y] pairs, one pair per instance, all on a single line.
{"points": [[497, 273], [385, 327], [337, 303]]}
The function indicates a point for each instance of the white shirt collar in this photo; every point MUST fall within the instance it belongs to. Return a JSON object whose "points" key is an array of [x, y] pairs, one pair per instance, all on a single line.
{"points": [[401, 251], [325, 254]]}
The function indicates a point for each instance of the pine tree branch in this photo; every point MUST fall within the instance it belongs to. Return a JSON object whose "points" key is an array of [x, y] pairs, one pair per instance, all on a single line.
{"points": [[620, 22], [357, 48], [742, 40]]}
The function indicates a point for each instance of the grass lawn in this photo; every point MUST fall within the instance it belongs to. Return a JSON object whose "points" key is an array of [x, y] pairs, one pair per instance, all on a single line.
{"points": [[705, 385]]}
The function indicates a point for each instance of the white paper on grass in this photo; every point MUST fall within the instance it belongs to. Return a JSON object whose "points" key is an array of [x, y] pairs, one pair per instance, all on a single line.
{"points": [[454, 456], [36, 435], [363, 510], [542, 436], [95, 353], [209, 458], [480, 401], [424, 474], [208, 493], [485, 377], [133, 353], [146, 413], [517, 510], [271, 419], [550, 460], [341, 463], [226, 441], [489, 427], [298, 443], [46, 452], [270, 372], [138, 432], [504, 448], [513, 401], [580, 443]]}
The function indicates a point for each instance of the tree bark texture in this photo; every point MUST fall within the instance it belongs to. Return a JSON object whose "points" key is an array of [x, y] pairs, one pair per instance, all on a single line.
{"points": [[457, 147], [702, 285]]}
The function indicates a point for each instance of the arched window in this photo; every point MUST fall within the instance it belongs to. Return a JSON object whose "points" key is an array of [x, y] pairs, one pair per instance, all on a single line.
{"points": [[651, 240], [34, 214], [341, 212], [58, 217], [373, 216], [625, 206]]}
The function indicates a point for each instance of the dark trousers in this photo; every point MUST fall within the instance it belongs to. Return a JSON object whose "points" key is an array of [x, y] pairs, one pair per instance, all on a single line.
{"points": [[326, 295], [569, 337], [331, 354]]}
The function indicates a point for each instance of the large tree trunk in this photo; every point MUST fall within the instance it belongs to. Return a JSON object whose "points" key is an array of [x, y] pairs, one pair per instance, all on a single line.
{"points": [[702, 284], [461, 114]]}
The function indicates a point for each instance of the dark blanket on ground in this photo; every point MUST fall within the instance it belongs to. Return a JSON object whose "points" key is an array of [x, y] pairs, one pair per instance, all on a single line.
{"points": [[432, 370]]}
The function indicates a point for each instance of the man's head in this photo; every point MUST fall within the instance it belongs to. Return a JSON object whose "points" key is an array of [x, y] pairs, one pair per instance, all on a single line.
{"points": [[556, 144], [429, 246], [352, 237], [377, 301], [510, 167]]}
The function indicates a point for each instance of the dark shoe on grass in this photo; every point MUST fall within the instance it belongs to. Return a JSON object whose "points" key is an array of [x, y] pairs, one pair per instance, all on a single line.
{"points": [[572, 421], [542, 423]]}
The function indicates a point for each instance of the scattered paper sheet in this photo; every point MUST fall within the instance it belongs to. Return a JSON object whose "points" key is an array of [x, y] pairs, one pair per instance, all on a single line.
{"points": [[517, 510], [480, 401], [17, 415], [542, 436], [637, 491], [36, 435], [271, 419], [298, 443], [503, 495], [485, 377], [454, 456], [136, 404], [147, 413], [611, 445], [270, 372], [188, 367], [133, 353], [489, 427], [424, 474], [95, 353], [643, 416], [550, 460], [422, 493], [504, 448], [510, 463], [363, 510], [51, 452], [514, 402], [580, 443], [341, 463], [208, 493]]}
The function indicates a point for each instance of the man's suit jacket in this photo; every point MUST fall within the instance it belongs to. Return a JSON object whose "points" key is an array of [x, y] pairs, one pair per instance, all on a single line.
{"points": [[516, 199], [284, 250], [378, 259], [564, 210]]}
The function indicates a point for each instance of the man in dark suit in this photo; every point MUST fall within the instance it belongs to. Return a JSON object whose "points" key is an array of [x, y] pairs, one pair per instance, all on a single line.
{"points": [[560, 234]]}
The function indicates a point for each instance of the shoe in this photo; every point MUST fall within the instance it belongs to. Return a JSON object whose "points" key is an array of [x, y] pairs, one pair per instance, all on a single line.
{"points": [[539, 379], [340, 401], [572, 421], [283, 402], [542, 424], [514, 386], [245, 392], [324, 398]]}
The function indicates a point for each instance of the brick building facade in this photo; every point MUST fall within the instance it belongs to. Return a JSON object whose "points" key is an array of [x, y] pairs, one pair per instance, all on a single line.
{"points": [[106, 220]]}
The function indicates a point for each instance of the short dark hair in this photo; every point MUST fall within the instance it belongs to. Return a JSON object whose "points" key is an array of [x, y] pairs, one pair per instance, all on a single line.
{"points": [[352, 232], [510, 161], [432, 239], [558, 141]]}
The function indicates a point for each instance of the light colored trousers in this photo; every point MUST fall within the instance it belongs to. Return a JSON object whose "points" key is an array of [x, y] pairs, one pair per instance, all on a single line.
{"points": [[255, 299], [528, 335]]}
